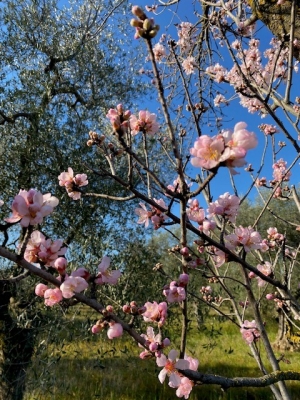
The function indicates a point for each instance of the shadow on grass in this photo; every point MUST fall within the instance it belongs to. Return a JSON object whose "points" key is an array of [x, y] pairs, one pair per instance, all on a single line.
{"points": [[127, 378]]}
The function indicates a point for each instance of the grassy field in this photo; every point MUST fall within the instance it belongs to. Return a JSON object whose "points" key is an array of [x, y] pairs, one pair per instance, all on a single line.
{"points": [[77, 365]]}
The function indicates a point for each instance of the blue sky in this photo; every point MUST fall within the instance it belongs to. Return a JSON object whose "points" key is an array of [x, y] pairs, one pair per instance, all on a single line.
{"points": [[184, 11]]}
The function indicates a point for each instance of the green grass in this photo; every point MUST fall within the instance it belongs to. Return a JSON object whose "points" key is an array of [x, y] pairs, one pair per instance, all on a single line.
{"points": [[97, 368]]}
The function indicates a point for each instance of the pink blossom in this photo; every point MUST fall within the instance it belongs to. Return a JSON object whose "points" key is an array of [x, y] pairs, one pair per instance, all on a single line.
{"points": [[227, 205], [280, 171], [238, 142], [106, 276], [146, 122], [155, 312], [31, 207], [40, 289], [247, 237], [219, 99], [52, 296], [189, 65], [115, 330], [270, 296], [185, 387], [72, 285], [72, 182], [207, 151], [96, 329], [119, 118], [84, 273], [159, 52], [144, 215], [40, 249], [186, 34], [249, 331], [266, 269], [174, 293], [171, 364], [176, 186], [153, 342], [219, 257], [61, 264]]}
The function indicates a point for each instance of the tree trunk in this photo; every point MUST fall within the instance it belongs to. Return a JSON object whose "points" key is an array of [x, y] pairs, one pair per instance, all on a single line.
{"points": [[16, 349], [286, 339], [277, 17]]}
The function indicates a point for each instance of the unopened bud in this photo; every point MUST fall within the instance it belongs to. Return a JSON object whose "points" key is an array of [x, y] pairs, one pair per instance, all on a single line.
{"points": [[90, 143], [147, 24], [136, 24], [153, 33], [126, 309], [138, 12], [109, 308]]}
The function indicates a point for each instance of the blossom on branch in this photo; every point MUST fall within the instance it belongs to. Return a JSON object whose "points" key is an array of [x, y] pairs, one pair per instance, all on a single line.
{"points": [[171, 365], [72, 182], [146, 123], [155, 312], [40, 249], [249, 331], [72, 285], [31, 207], [105, 276]]}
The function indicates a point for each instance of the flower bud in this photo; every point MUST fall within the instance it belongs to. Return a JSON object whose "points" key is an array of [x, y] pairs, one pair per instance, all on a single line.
{"points": [[184, 251], [126, 309], [90, 143], [147, 24], [153, 33], [109, 308], [138, 12], [153, 346], [96, 329]]}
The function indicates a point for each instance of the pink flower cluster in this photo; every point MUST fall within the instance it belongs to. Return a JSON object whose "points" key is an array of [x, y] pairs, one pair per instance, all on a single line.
{"points": [[40, 249], [119, 118], [186, 34], [171, 365], [227, 206], [249, 331], [146, 123], [268, 129], [71, 183], [252, 68], [68, 288], [225, 149], [156, 312], [266, 269], [274, 238], [189, 65], [246, 237], [175, 291], [31, 207], [115, 329], [156, 216], [154, 343], [105, 276], [159, 52], [175, 187], [280, 173], [197, 214]]}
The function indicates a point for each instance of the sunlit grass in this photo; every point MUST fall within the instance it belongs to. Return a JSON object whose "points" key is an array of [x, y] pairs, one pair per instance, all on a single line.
{"points": [[97, 368]]}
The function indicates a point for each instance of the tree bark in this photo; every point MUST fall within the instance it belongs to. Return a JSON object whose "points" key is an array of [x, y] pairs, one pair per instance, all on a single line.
{"points": [[278, 19], [16, 348]]}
